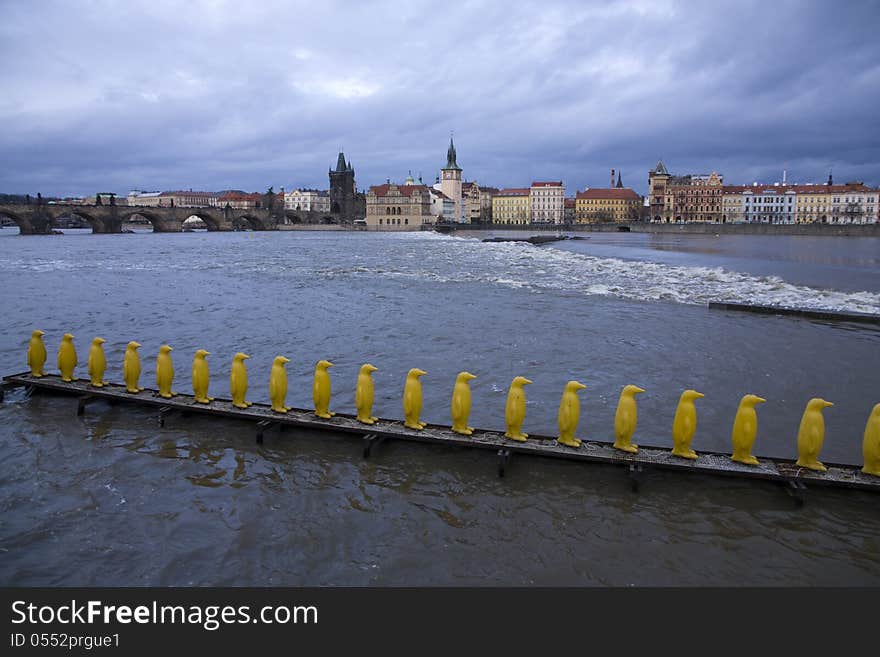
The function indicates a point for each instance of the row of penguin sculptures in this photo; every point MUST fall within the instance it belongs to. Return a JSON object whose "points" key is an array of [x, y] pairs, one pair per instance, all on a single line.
{"points": [[811, 432]]}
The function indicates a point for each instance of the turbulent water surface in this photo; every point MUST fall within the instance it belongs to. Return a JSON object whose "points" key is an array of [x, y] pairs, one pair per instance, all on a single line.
{"points": [[110, 498]]}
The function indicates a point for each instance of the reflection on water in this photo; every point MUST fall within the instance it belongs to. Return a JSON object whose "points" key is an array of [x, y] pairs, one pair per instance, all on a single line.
{"points": [[111, 498]]}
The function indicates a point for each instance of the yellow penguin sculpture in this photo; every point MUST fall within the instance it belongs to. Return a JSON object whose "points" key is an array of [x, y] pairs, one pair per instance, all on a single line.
{"points": [[36, 354], [278, 385], [165, 372], [811, 435], [745, 430], [363, 394], [97, 363], [412, 399], [685, 424], [461, 403], [200, 377], [238, 381], [321, 390], [67, 357], [131, 367], [515, 409], [625, 419], [871, 443], [570, 414]]}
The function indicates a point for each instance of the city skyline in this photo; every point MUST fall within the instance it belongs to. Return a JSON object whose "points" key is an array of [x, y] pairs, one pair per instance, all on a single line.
{"points": [[213, 95]]}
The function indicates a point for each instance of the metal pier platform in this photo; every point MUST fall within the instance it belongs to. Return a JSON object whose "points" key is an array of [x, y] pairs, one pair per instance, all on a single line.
{"points": [[712, 463], [829, 315]]}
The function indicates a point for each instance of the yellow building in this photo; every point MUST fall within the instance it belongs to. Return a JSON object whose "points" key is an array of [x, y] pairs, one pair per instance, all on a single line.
{"points": [[511, 206], [615, 204], [813, 204]]}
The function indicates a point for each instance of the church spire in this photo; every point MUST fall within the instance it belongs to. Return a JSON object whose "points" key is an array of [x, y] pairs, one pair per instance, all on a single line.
{"points": [[619, 182], [450, 156], [340, 162]]}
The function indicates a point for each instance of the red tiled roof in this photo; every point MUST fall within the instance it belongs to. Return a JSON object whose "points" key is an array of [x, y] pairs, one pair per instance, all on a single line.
{"points": [[569, 202], [514, 191], [613, 193], [547, 184], [405, 190]]}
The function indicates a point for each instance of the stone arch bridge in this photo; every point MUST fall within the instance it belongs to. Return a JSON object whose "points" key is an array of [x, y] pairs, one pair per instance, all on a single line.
{"points": [[38, 219]]}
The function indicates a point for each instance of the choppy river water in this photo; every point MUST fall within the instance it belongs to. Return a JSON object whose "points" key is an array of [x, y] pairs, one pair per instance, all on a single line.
{"points": [[111, 499]]}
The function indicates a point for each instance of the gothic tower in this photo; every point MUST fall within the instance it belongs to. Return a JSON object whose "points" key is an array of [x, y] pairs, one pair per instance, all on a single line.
{"points": [[343, 195], [450, 181]]}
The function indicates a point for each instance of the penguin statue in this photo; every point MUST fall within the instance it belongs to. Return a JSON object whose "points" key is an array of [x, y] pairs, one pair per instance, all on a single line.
{"points": [[685, 424], [569, 414], [67, 358], [165, 372], [363, 394], [811, 435], [515, 409], [36, 354], [278, 385], [321, 390], [461, 403], [412, 399], [131, 367], [200, 377], [745, 429], [97, 363], [871, 443], [625, 419], [238, 381]]}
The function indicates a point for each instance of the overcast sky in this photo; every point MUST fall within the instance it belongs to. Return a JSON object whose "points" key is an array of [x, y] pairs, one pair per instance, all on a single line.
{"points": [[209, 94]]}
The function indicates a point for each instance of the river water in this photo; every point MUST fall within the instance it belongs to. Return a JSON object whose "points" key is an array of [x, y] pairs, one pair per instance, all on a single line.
{"points": [[111, 499]]}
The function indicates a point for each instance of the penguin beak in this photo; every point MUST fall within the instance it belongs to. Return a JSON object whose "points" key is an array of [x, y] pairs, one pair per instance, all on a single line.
{"points": [[246, 357], [420, 372], [40, 333], [285, 359], [207, 353], [580, 386], [100, 340], [826, 404], [526, 381], [136, 345], [759, 400], [469, 376], [638, 390]]}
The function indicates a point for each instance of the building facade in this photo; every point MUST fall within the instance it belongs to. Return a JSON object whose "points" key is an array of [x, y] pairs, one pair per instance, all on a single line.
{"points": [[307, 200], [186, 199], [398, 207], [142, 199], [442, 207], [697, 198], [614, 204], [547, 202], [511, 206]]}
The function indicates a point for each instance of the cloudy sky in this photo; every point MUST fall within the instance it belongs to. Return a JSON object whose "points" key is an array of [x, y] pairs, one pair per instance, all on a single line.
{"points": [[214, 94]]}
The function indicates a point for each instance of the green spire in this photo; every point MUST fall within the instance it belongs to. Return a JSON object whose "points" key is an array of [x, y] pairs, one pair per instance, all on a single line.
{"points": [[450, 157]]}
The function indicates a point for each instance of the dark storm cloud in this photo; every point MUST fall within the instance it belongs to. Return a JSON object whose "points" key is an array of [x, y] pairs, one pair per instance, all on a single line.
{"points": [[212, 94]]}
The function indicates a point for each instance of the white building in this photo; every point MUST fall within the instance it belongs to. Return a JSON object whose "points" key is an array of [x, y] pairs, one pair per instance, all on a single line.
{"points": [[769, 204], [442, 205], [144, 199], [307, 200], [547, 202]]}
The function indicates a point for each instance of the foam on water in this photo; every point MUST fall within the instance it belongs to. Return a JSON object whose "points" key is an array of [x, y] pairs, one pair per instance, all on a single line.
{"points": [[435, 258]]}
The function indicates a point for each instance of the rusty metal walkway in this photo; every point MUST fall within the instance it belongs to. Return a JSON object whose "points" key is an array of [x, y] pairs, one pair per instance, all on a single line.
{"points": [[711, 463]]}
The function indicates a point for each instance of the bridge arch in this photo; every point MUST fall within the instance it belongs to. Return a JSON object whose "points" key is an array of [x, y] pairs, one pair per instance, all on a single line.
{"points": [[248, 222], [25, 227], [154, 220], [210, 220], [96, 223]]}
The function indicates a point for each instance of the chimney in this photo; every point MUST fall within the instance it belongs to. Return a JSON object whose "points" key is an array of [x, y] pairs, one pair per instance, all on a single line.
{"points": [[784, 172], [612, 178]]}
